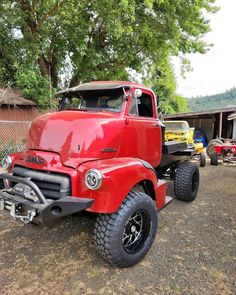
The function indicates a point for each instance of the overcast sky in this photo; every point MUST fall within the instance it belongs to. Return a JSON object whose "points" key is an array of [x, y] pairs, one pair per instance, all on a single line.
{"points": [[215, 71]]}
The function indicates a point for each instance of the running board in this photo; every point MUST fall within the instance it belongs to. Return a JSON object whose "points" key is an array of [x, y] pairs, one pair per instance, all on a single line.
{"points": [[167, 202]]}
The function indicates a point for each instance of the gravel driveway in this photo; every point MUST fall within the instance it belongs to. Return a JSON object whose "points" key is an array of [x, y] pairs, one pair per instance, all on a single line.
{"points": [[193, 253]]}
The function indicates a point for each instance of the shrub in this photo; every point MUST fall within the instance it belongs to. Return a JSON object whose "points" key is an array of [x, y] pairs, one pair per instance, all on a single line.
{"points": [[11, 147]]}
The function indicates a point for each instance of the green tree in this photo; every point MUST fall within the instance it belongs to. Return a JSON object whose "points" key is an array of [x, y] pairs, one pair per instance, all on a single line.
{"points": [[66, 42], [208, 102], [161, 79]]}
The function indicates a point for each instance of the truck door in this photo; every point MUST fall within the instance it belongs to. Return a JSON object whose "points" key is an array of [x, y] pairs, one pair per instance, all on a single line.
{"points": [[143, 130]]}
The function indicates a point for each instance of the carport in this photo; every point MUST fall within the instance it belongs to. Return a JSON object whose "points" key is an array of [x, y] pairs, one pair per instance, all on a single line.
{"points": [[215, 123], [232, 118]]}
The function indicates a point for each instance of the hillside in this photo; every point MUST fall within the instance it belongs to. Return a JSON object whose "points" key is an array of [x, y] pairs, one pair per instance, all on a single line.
{"points": [[208, 102]]}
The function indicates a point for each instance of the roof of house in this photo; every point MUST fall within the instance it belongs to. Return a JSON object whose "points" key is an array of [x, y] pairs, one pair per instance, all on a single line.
{"points": [[231, 108], [10, 96]]}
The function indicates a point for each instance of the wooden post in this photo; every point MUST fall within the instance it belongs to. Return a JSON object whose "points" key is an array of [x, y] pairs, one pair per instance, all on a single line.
{"points": [[220, 127], [213, 126]]}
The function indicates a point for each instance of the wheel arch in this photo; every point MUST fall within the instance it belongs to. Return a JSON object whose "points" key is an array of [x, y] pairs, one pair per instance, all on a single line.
{"points": [[147, 187], [120, 176]]}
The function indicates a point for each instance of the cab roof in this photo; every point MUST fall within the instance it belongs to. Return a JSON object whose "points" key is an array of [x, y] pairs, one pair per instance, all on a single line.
{"points": [[102, 85]]}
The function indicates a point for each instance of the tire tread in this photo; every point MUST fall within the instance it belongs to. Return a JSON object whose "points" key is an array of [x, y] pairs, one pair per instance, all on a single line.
{"points": [[183, 180], [107, 225]]}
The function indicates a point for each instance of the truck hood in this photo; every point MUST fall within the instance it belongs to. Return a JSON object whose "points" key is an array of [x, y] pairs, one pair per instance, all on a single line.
{"points": [[77, 136]]}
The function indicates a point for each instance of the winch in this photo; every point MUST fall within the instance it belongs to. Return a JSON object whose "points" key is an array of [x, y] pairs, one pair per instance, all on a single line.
{"points": [[25, 191], [15, 208]]}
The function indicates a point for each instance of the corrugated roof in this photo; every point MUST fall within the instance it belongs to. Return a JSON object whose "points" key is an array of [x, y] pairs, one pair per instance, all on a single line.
{"points": [[231, 108], [10, 96]]}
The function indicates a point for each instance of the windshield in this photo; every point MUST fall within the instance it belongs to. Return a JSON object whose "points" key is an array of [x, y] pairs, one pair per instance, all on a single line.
{"points": [[108, 100], [176, 126]]}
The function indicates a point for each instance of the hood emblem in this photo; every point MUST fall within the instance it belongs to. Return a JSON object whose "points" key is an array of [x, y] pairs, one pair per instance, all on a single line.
{"points": [[109, 150], [35, 160]]}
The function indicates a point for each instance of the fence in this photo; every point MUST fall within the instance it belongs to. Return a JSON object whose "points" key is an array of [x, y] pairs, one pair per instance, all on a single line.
{"points": [[13, 135]]}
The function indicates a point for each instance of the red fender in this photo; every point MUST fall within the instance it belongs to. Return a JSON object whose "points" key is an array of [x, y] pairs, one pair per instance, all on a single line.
{"points": [[120, 175]]}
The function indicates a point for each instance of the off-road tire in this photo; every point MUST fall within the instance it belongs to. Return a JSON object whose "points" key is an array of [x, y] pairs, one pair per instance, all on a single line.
{"points": [[202, 160], [210, 147], [186, 181], [214, 159], [110, 230]]}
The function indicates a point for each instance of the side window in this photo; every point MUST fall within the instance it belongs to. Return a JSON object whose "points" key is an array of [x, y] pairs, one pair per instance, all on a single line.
{"points": [[141, 106], [145, 106], [133, 109]]}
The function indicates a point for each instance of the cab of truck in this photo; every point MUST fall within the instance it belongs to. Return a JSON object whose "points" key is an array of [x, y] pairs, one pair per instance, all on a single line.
{"points": [[112, 119]]}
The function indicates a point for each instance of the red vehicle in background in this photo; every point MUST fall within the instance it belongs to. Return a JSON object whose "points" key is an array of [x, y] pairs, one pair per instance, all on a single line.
{"points": [[224, 151], [103, 151]]}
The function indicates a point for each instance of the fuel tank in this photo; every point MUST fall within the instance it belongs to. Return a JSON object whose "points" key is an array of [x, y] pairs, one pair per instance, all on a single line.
{"points": [[77, 136]]}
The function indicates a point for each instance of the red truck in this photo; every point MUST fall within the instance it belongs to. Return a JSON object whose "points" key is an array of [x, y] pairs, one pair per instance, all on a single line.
{"points": [[103, 151]]}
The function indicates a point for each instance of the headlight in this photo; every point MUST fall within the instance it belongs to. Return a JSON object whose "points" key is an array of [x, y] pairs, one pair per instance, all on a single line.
{"points": [[93, 179], [6, 162]]}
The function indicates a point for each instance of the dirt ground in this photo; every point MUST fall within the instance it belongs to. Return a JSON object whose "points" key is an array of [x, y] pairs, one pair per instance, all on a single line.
{"points": [[194, 251]]}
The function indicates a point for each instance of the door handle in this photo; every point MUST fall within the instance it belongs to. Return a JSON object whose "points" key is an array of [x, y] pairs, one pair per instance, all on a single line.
{"points": [[158, 123]]}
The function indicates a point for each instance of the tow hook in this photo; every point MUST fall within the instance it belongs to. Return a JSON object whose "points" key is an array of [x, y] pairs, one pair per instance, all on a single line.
{"points": [[24, 218]]}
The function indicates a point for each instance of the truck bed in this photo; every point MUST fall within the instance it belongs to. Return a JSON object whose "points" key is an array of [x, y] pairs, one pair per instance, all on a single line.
{"points": [[170, 147], [174, 152]]}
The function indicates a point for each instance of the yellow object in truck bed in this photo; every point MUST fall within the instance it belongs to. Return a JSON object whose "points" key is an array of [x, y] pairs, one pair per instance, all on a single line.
{"points": [[180, 131]]}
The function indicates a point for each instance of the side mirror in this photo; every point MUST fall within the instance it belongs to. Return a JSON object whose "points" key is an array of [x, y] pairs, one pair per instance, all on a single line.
{"points": [[138, 93]]}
